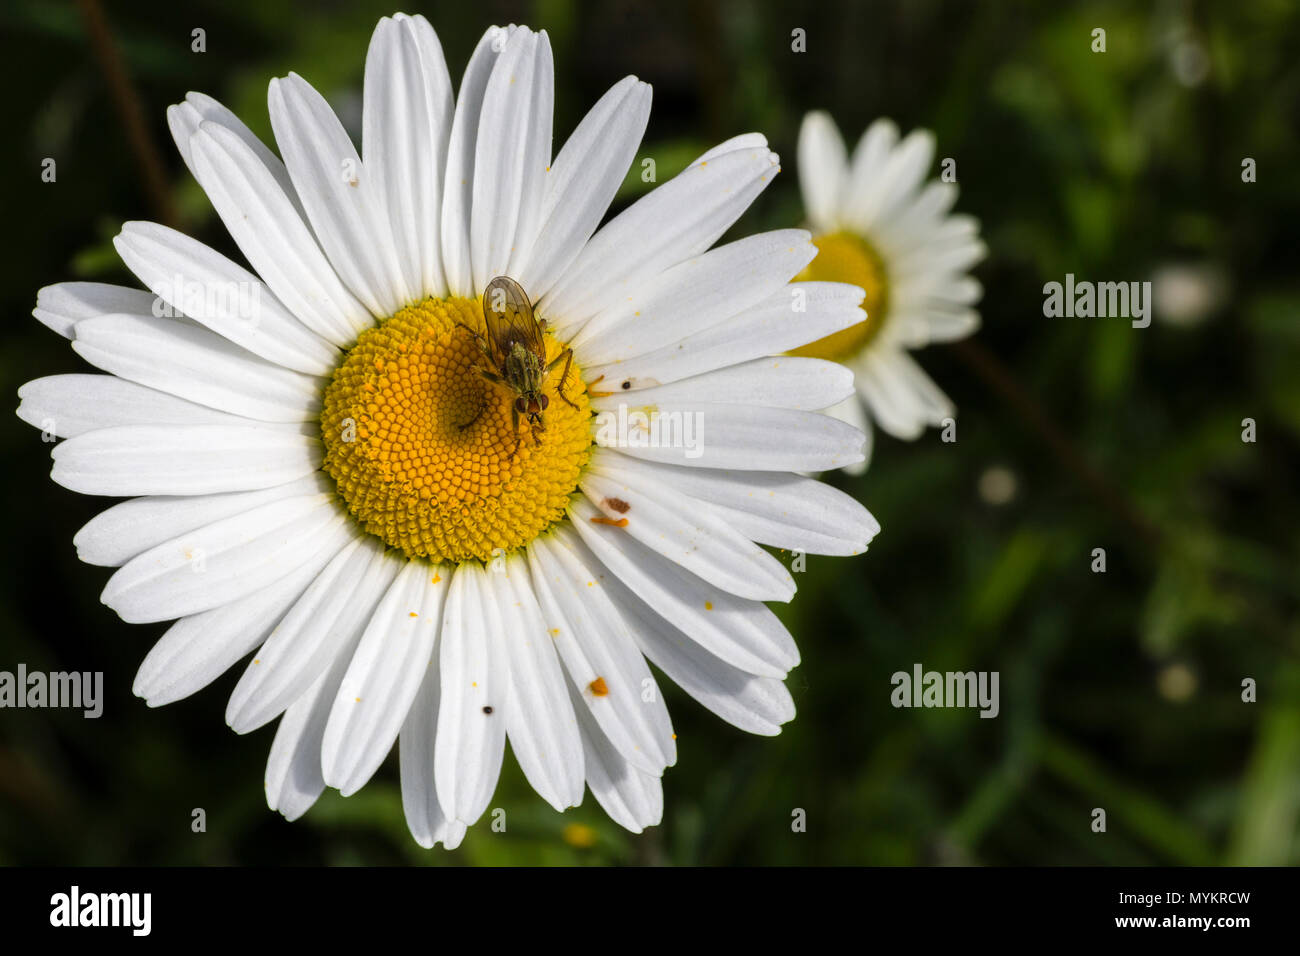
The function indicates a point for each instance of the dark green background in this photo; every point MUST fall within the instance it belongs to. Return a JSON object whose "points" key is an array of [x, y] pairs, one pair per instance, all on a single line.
{"points": [[1104, 165]]}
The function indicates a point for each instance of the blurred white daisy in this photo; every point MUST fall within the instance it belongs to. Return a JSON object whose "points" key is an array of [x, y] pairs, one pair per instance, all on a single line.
{"points": [[331, 486], [877, 226]]}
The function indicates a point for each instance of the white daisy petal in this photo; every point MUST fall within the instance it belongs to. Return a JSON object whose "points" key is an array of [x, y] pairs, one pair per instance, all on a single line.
{"points": [[325, 623], [183, 459], [396, 152], [220, 562], [802, 313], [908, 329], [70, 405], [757, 705], [935, 405], [670, 224], [852, 412], [889, 401], [913, 224], [198, 649], [293, 780], [198, 365], [898, 180], [386, 670], [225, 297], [934, 323], [442, 107], [474, 693], [949, 326], [633, 798], [458, 185], [867, 163], [535, 147], [406, 76], [273, 236], [902, 398], [425, 818], [780, 382], [184, 120], [583, 180], [345, 207], [613, 680], [63, 305], [773, 508], [823, 166], [940, 258], [746, 438], [743, 633], [504, 156], [918, 291], [694, 295], [118, 534], [540, 724], [683, 531], [744, 141]]}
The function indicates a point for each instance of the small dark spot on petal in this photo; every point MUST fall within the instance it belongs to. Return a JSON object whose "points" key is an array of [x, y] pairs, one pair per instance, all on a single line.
{"points": [[487, 710]]}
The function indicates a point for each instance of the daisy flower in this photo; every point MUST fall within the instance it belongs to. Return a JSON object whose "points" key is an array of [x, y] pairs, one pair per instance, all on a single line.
{"points": [[340, 472], [877, 227]]}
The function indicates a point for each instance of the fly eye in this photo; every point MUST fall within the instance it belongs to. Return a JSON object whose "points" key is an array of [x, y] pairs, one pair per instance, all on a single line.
{"points": [[521, 406], [545, 401]]}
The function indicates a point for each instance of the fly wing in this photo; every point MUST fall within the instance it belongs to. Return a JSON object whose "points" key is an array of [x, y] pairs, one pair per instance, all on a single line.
{"points": [[508, 316]]}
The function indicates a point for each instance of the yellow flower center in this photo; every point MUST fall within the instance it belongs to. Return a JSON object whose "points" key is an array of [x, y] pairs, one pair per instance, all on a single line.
{"points": [[845, 257], [424, 449]]}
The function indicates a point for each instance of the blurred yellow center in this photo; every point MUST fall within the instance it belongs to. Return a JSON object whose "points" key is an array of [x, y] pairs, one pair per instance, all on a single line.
{"points": [[845, 257], [423, 449]]}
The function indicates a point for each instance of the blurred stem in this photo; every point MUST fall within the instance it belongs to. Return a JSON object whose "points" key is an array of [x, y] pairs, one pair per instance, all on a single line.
{"points": [[1265, 827], [1003, 381], [126, 101]]}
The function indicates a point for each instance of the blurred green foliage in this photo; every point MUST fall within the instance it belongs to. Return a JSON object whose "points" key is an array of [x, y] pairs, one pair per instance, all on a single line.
{"points": [[1119, 690]]}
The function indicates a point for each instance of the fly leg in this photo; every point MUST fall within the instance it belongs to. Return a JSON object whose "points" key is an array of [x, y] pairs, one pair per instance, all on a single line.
{"points": [[464, 425], [534, 427], [477, 336], [567, 355], [490, 377], [514, 428]]}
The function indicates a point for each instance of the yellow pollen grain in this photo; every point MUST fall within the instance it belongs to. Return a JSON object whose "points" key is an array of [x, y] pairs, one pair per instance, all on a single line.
{"points": [[845, 257], [422, 449]]}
